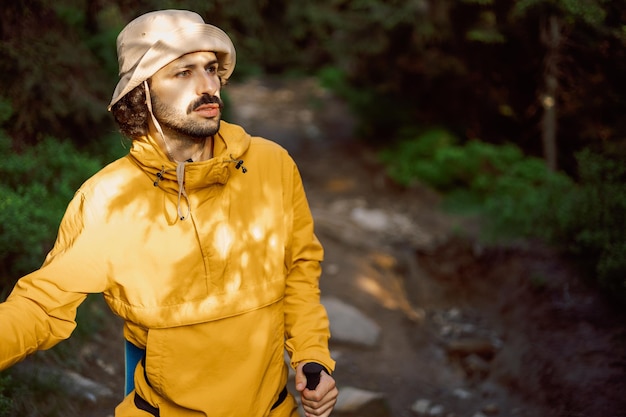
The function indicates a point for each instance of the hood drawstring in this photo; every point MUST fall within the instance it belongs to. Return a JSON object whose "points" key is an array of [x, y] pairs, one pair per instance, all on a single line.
{"points": [[180, 166], [149, 104], [180, 177]]}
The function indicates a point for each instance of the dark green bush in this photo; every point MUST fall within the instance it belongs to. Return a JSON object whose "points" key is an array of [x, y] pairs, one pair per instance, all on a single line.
{"points": [[594, 219], [35, 187], [5, 401], [436, 157], [419, 159], [60, 86], [517, 196]]}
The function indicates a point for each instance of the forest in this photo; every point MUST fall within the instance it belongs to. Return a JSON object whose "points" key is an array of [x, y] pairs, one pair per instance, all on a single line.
{"points": [[528, 89], [513, 109]]}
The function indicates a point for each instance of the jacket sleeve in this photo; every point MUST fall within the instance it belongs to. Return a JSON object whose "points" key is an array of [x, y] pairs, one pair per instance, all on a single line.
{"points": [[41, 309], [306, 322]]}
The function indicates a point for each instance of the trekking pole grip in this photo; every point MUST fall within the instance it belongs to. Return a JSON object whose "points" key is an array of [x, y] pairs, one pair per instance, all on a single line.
{"points": [[312, 372]]}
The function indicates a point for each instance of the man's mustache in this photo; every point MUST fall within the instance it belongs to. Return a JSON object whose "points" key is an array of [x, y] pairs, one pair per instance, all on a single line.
{"points": [[205, 99]]}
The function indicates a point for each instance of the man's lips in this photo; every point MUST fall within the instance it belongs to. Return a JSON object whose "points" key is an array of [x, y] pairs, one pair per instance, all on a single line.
{"points": [[208, 110]]}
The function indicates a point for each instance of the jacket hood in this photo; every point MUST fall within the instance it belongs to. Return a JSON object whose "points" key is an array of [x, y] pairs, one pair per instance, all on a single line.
{"points": [[230, 143]]}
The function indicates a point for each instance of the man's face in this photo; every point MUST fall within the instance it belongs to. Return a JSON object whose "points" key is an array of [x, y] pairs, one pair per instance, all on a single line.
{"points": [[186, 95]]}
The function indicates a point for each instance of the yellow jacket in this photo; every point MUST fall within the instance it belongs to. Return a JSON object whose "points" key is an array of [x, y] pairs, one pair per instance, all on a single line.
{"points": [[214, 298]]}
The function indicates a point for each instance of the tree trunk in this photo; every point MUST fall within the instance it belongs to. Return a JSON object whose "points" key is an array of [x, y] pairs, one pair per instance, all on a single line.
{"points": [[552, 39]]}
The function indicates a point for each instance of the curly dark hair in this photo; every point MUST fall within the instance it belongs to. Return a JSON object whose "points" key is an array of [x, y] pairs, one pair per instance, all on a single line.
{"points": [[131, 113]]}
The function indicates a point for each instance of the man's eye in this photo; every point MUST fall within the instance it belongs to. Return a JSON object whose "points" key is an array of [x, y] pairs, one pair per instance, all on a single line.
{"points": [[212, 69], [182, 74]]}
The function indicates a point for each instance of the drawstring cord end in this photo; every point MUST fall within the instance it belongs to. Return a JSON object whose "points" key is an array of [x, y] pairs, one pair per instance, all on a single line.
{"points": [[239, 164], [159, 176]]}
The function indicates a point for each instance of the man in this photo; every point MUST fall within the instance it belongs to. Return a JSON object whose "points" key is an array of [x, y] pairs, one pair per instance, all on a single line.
{"points": [[201, 239]]}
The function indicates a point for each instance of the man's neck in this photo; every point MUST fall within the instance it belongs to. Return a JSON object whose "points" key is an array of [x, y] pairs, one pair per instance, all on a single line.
{"points": [[181, 148]]}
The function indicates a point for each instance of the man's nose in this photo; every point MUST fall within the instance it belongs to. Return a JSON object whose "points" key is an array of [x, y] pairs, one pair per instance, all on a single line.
{"points": [[208, 84]]}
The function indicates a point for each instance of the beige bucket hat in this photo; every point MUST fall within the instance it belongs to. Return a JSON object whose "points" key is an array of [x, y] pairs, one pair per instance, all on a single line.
{"points": [[155, 39]]}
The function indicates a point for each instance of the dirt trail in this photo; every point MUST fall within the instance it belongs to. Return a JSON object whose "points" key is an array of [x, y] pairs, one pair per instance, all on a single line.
{"points": [[505, 331]]}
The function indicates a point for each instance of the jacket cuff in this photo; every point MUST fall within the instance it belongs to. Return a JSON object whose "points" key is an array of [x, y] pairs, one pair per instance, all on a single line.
{"points": [[325, 361]]}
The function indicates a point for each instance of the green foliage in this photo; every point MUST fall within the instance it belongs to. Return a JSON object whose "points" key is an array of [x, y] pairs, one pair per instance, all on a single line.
{"points": [[56, 84], [368, 105], [110, 147], [108, 23], [486, 29], [6, 110], [5, 400], [592, 12], [421, 159], [483, 2], [525, 201], [517, 196], [437, 158], [35, 187], [596, 219]]}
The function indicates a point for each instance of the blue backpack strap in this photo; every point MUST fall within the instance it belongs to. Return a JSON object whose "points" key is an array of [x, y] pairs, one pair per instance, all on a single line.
{"points": [[132, 356]]}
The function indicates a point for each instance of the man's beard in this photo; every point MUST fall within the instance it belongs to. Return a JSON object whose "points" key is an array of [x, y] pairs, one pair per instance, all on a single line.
{"points": [[170, 119]]}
